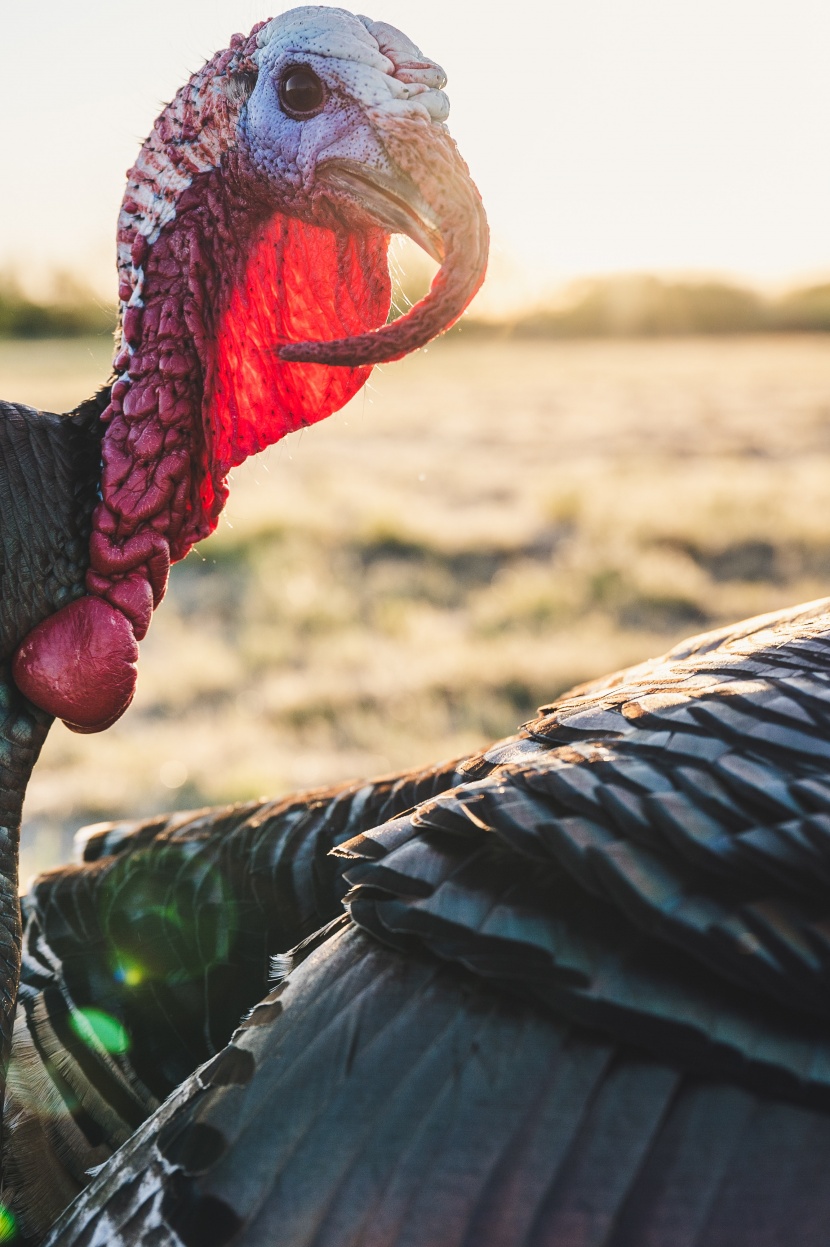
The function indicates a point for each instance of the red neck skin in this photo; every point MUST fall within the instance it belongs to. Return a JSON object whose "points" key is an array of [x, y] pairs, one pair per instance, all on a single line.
{"points": [[243, 318], [199, 387]]}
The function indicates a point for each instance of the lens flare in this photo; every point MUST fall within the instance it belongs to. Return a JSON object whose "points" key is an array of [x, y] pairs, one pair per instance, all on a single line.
{"points": [[129, 973], [95, 1027], [183, 920], [8, 1225]]}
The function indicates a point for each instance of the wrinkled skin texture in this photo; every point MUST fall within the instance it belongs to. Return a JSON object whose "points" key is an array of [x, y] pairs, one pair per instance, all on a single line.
{"points": [[247, 270], [205, 388]]}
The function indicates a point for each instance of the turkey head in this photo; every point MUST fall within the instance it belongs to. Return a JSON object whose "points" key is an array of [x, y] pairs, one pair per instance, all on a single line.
{"points": [[254, 293]]}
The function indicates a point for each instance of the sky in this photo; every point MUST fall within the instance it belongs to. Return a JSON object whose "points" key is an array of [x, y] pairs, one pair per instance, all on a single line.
{"points": [[605, 135]]}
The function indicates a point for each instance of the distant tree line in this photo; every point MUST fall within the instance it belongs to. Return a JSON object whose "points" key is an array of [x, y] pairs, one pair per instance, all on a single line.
{"points": [[70, 312], [645, 307], [635, 306]]}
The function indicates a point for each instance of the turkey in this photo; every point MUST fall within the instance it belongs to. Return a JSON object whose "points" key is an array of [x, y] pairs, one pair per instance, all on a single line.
{"points": [[569, 991], [254, 293]]}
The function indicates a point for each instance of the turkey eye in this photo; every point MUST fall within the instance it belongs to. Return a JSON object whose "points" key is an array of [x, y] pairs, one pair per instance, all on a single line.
{"points": [[301, 92]]}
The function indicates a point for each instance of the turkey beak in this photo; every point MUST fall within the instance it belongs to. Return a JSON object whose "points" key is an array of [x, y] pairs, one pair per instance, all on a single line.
{"points": [[392, 200], [430, 196]]}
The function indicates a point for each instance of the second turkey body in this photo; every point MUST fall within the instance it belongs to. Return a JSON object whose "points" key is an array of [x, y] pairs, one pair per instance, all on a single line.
{"points": [[572, 990]]}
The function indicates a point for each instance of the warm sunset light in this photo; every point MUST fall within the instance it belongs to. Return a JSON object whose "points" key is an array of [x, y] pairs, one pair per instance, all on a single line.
{"points": [[610, 135], [415, 726]]}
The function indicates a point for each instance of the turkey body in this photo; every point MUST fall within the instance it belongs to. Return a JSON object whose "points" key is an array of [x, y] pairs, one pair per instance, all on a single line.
{"points": [[570, 991], [49, 475], [50, 469]]}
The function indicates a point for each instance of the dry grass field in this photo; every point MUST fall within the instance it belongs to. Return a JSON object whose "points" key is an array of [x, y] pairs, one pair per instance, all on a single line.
{"points": [[488, 524]]}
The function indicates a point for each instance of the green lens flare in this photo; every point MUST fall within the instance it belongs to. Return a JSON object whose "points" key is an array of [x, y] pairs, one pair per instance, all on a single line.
{"points": [[8, 1225], [130, 973], [95, 1027], [182, 917]]}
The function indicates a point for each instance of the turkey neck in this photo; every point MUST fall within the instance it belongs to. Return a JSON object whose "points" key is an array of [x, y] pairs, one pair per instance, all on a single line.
{"points": [[199, 385], [161, 493], [23, 729]]}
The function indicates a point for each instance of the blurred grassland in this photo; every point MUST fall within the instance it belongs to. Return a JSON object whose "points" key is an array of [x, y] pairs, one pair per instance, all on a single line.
{"points": [[489, 523]]}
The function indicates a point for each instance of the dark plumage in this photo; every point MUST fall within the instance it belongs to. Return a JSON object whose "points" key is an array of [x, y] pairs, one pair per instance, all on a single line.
{"points": [[50, 470], [380, 1099], [168, 927], [49, 474], [577, 994]]}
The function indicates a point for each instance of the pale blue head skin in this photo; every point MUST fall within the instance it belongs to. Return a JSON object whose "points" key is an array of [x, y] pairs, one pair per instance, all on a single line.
{"points": [[369, 69]]}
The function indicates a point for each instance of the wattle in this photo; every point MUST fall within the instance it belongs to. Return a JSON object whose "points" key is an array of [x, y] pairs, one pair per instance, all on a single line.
{"points": [[200, 388], [80, 665], [298, 282]]}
